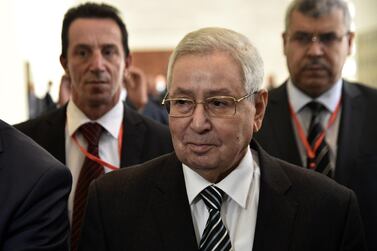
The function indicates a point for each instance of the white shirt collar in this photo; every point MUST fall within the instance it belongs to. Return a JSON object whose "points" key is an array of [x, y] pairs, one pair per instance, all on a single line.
{"points": [[111, 120], [329, 99], [236, 185]]}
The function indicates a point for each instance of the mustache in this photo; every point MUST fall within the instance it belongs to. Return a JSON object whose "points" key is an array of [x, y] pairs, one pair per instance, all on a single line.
{"points": [[316, 63], [200, 140], [97, 78]]}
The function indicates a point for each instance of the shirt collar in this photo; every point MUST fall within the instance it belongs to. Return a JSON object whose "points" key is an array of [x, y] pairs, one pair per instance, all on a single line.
{"points": [[236, 185], [329, 99], [111, 121]]}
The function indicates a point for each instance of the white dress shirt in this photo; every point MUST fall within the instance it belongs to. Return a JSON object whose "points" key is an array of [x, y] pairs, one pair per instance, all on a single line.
{"points": [[240, 205], [108, 144], [330, 100]]}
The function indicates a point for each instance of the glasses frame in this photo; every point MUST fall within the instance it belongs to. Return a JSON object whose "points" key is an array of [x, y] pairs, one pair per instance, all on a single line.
{"points": [[204, 103], [316, 37]]}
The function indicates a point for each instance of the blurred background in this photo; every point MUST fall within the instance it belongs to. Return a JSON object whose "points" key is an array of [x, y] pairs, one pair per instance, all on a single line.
{"points": [[30, 44]]}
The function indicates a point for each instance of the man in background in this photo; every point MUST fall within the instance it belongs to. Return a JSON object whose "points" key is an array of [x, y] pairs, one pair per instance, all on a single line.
{"points": [[95, 132], [34, 189], [215, 192], [137, 97], [318, 120]]}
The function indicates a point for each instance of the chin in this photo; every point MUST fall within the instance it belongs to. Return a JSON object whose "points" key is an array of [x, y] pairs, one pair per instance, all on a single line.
{"points": [[201, 164]]}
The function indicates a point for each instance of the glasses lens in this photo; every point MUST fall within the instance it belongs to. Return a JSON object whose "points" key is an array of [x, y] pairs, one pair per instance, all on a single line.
{"points": [[221, 106], [302, 38], [180, 107], [329, 39]]}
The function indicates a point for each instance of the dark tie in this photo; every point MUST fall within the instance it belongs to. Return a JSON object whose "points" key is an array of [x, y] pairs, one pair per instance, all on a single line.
{"points": [[89, 171], [321, 161], [215, 235]]}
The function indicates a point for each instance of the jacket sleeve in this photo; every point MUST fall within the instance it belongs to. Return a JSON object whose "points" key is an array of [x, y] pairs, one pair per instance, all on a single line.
{"points": [[353, 236], [41, 221]]}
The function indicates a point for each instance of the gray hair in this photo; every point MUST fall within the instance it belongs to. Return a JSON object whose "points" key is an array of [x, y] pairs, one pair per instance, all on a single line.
{"points": [[318, 8], [209, 40]]}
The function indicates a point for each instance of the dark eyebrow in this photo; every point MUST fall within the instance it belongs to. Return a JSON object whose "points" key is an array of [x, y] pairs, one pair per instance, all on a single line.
{"points": [[81, 46]]}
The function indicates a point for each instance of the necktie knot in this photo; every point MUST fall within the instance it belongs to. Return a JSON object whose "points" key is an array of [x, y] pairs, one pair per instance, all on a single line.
{"points": [[91, 132], [315, 107], [212, 197]]}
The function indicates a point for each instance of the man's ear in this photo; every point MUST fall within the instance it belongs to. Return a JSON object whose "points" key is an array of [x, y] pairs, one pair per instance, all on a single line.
{"points": [[128, 62], [64, 64], [351, 39], [285, 37], [260, 103]]}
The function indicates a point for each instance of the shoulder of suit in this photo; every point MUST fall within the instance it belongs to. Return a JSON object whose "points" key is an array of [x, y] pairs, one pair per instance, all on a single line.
{"points": [[314, 184], [49, 117], [135, 173], [32, 157]]}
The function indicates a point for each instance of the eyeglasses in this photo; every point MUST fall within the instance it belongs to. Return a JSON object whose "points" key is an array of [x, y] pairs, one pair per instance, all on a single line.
{"points": [[327, 39], [216, 106]]}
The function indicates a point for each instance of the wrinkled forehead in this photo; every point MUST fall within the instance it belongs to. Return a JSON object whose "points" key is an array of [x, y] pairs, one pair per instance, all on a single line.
{"points": [[206, 74]]}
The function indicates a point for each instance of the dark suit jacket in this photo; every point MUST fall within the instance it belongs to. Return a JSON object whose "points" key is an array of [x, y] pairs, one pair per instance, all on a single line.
{"points": [[356, 164], [143, 139], [34, 189], [146, 208]]}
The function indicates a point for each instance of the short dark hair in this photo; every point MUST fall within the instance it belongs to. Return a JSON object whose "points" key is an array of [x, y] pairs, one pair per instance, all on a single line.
{"points": [[317, 9], [92, 10]]}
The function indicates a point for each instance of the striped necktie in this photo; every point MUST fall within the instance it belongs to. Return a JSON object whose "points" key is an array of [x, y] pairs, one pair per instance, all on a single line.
{"points": [[215, 236], [89, 171], [321, 161]]}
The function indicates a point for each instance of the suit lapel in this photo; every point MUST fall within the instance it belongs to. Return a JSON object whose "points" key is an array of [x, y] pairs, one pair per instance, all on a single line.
{"points": [[171, 208], [133, 138], [353, 113], [276, 213], [282, 126]]}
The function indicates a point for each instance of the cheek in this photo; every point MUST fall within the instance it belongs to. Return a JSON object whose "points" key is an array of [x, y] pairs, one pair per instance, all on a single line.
{"points": [[176, 131]]}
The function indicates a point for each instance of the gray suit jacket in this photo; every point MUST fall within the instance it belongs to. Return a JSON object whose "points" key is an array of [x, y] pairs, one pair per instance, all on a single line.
{"points": [[356, 164], [146, 208]]}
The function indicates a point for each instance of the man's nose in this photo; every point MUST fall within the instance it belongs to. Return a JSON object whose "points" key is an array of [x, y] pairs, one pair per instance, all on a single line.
{"points": [[315, 47], [97, 62], [200, 121]]}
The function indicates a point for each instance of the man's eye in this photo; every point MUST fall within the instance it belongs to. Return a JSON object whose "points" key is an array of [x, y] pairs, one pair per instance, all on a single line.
{"points": [[82, 53], [302, 37], [181, 102], [108, 51], [219, 103], [328, 38]]}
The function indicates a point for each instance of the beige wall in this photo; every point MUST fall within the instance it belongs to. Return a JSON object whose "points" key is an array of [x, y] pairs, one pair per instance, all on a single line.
{"points": [[31, 32]]}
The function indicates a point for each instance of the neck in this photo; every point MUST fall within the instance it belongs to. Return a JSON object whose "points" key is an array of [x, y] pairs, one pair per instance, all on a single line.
{"points": [[95, 111]]}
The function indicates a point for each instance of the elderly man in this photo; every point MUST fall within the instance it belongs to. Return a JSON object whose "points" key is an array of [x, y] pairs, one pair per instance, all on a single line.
{"points": [[95, 132], [215, 192], [318, 120]]}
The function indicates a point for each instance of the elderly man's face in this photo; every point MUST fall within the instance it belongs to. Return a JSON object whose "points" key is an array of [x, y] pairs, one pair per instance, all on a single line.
{"points": [[212, 146], [316, 49]]}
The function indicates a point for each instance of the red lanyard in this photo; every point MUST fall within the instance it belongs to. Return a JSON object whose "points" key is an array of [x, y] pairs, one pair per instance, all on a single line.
{"points": [[97, 159], [309, 150]]}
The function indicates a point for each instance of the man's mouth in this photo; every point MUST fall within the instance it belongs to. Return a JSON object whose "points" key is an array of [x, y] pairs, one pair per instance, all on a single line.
{"points": [[199, 148]]}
